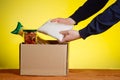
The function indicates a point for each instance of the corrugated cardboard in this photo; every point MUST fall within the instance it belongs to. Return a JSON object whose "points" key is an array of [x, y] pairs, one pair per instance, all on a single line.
{"points": [[44, 60]]}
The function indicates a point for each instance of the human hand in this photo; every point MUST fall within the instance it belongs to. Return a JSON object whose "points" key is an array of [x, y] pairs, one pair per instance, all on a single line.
{"points": [[68, 21], [70, 35]]}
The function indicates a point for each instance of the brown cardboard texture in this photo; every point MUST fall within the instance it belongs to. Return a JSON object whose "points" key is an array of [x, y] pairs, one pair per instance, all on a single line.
{"points": [[45, 60]]}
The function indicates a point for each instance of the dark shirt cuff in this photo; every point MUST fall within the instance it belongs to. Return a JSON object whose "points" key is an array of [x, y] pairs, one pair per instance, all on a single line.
{"points": [[75, 19], [84, 33]]}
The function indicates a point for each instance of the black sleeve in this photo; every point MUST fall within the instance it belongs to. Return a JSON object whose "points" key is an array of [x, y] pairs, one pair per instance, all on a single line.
{"points": [[103, 21], [88, 9]]}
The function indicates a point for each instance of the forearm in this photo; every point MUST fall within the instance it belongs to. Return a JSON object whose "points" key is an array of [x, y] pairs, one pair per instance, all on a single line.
{"points": [[103, 21], [88, 9]]}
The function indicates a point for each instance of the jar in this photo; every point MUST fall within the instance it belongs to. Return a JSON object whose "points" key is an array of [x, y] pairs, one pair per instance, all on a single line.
{"points": [[30, 36]]}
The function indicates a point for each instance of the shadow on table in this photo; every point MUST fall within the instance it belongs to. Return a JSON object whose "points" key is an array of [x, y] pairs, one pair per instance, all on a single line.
{"points": [[11, 71]]}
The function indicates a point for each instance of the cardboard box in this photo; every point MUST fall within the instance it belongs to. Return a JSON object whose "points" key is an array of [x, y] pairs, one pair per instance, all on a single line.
{"points": [[45, 60]]}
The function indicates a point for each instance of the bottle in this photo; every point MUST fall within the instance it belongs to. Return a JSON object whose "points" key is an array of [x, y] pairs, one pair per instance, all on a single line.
{"points": [[30, 36]]}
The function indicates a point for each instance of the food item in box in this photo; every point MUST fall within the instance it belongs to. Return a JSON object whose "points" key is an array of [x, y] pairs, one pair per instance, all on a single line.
{"points": [[30, 36], [19, 29], [41, 41], [53, 29]]}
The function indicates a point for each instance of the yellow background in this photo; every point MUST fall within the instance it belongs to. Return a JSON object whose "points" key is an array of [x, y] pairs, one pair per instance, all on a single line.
{"points": [[96, 52]]}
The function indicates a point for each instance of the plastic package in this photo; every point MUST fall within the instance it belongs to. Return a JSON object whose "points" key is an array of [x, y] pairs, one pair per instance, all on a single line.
{"points": [[19, 29], [53, 29]]}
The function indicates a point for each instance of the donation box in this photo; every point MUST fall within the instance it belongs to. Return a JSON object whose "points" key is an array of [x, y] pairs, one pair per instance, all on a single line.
{"points": [[44, 59]]}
